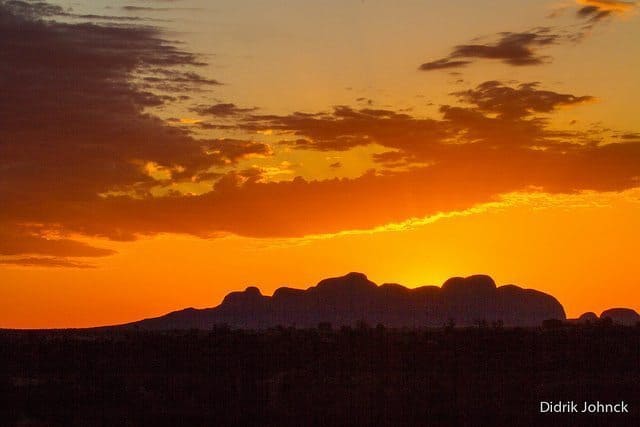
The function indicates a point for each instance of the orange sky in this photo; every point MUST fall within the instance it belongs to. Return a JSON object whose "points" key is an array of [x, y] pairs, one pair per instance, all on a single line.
{"points": [[165, 156]]}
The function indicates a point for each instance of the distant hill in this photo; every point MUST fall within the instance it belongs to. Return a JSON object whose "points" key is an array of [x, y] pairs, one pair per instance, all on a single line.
{"points": [[351, 299], [617, 316], [622, 316]]}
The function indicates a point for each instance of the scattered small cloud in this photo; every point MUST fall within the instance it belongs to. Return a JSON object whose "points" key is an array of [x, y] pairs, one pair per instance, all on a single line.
{"points": [[595, 11], [44, 262], [442, 64], [221, 110], [516, 49]]}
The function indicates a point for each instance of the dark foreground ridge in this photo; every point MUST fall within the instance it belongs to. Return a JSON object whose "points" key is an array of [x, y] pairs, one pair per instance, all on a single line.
{"points": [[352, 299], [363, 376]]}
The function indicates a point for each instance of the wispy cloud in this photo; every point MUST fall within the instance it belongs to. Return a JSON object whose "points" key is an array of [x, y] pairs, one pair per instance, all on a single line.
{"points": [[80, 151], [598, 10], [44, 262], [517, 49]]}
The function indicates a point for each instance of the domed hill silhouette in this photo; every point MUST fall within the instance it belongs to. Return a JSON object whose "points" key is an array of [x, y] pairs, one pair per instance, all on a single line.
{"points": [[350, 299], [622, 316]]}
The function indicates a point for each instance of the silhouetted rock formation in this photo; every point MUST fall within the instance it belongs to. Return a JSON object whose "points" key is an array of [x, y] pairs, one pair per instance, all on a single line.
{"points": [[588, 317], [623, 316], [353, 299]]}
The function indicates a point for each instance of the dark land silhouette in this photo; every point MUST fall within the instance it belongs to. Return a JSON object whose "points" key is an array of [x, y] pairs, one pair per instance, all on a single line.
{"points": [[623, 316], [347, 300], [322, 376], [469, 353]]}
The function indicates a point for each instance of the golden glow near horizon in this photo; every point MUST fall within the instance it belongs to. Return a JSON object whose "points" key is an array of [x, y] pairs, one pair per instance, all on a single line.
{"points": [[412, 141], [562, 250]]}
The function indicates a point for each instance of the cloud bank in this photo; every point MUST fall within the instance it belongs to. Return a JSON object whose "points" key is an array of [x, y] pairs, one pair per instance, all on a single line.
{"points": [[80, 153]]}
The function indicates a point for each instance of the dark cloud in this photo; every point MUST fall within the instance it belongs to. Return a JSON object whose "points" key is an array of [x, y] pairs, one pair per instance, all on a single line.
{"points": [[77, 142], [366, 101], [237, 178], [176, 81], [593, 12], [462, 176], [145, 9], [130, 8], [390, 158], [596, 10], [515, 49], [489, 146], [512, 48], [44, 262], [524, 48], [217, 126], [40, 9], [521, 101], [345, 128], [441, 64], [104, 17], [19, 241], [221, 110], [232, 150], [588, 11], [74, 120], [630, 136], [32, 9], [495, 113]]}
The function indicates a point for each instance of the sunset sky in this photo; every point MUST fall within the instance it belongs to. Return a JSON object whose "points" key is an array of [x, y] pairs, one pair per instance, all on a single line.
{"points": [[158, 154]]}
